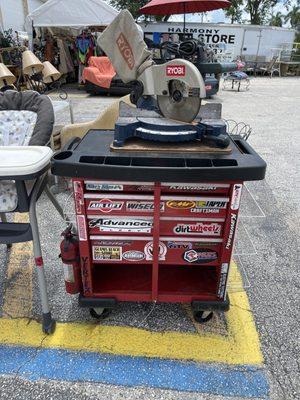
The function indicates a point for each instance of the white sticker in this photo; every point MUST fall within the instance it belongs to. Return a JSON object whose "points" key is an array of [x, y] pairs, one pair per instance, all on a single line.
{"points": [[82, 234], [105, 205], [107, 253], [200, 228], [161, 252], [121, 225], [236, 196]]}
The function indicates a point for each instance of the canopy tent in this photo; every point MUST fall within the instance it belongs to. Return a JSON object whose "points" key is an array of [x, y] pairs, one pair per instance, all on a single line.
{"points": [[70, 13]]}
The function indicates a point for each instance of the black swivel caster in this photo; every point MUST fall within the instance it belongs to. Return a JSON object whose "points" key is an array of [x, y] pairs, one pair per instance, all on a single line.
{"points": [[100, 312], [202, 316]]}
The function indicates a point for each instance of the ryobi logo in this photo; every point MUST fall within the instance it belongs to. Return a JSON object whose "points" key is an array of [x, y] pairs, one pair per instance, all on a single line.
{"points": [[175, 70], [125, 50]]}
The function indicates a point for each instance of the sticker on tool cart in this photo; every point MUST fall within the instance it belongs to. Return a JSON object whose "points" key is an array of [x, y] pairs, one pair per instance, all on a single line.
{"points": [[194, 187], [105, 205], [142, 206], [223, 279], [121, 225], [107, 253], [236, 196], [161, 252], [133, 255], [103, 186], [233, 221], [78, 196], [199, 228], [113, 242], [81, 225], [179, 245], [200, 256], [175, 70], [190, 204]]}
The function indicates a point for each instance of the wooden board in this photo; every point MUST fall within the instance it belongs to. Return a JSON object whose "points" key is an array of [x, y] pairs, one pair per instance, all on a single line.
{"points": [[140, 145]]}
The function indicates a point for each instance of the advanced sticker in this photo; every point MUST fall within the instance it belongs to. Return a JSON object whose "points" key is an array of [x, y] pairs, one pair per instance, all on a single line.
{"points": [[121, 225], [107, 253]]}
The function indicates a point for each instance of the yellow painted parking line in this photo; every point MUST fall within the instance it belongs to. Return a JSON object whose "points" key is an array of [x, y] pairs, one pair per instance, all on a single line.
{"points": [[241, 346], [18, 292]]}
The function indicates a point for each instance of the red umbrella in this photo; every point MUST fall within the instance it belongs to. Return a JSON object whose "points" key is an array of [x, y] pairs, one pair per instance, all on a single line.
{"points": [[169, 7]]}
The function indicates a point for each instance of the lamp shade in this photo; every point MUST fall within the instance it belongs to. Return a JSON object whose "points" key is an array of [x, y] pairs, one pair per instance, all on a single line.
{"points": [[31, 64], [6, 76], [50, 73]]}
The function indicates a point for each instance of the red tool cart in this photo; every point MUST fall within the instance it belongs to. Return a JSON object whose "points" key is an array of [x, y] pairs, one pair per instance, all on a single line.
{"points": [[154, 227]]}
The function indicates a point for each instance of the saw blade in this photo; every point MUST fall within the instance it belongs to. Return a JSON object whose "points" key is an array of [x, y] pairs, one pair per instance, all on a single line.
{"points": [[184, 110]]}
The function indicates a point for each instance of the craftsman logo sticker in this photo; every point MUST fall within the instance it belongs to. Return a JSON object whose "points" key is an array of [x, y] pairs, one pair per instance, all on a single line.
{"points": [[105, 205], [181, 204], [142, 206], [133, 255], [205, 210], [233, 219], [200, 256], [107, 253], [121, 225], [103, 186], [175, 70], [81, 225], [161, 252], [236, 196], [125, 50], [205, 229]]}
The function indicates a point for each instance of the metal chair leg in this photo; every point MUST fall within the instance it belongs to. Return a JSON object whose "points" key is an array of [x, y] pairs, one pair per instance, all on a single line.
{"points": [[4, 220], [56, 204], [48, 323]]}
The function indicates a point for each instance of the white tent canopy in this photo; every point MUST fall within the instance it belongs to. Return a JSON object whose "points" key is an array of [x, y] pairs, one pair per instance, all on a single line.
{"points": [[71, 13]]}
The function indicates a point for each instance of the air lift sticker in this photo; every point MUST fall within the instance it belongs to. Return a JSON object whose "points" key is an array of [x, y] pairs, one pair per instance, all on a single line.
{"points": [[107, 253], [105, 205]]}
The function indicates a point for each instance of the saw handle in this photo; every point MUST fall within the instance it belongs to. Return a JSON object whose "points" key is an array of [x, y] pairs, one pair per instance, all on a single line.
{"points": [[222, 141]]}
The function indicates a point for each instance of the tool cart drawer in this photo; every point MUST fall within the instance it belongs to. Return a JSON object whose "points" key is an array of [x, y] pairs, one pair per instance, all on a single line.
{"points": [[171, 205], [111, 225], [172, 250], [166, 187]]}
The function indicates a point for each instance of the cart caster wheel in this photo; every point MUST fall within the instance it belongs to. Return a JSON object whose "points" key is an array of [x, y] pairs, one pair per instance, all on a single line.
{"points": [[100, 312], [50, 328], [202, 316]]}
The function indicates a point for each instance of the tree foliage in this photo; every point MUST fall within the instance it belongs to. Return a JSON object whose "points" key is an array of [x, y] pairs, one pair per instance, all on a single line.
{"points": [[277, 19], [293, 17], [234, 12], [132, 6]]}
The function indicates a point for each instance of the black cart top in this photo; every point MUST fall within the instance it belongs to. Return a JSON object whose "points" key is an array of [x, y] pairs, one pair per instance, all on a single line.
{"points": [[91, 157]]}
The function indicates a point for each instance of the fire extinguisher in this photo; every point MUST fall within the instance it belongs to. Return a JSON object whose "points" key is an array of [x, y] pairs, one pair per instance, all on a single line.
{"points": [[69, 253]]}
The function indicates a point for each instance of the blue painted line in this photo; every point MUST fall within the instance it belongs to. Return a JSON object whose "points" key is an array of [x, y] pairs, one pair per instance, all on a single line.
{"points": [[35, 364]]}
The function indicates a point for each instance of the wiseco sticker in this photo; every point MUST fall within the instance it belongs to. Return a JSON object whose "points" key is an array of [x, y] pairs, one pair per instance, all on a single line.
{"points": [[175, 70]]}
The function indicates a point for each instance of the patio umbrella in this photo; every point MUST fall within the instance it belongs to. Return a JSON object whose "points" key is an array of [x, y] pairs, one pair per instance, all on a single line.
{"points": [[170, 7]]}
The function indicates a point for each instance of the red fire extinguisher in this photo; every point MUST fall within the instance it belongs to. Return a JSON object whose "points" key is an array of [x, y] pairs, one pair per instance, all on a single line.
{"points": [[69, 249]]}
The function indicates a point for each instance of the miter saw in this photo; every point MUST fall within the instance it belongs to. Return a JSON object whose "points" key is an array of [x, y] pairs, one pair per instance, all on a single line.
{"points": [[174, 89]]}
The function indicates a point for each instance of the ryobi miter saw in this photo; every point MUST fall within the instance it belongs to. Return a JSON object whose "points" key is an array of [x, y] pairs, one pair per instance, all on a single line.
{"points": [[174, 88]]}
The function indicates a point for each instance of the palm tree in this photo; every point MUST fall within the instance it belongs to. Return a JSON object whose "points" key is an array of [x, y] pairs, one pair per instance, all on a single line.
{"points": [[294, 17], [276, 20]]}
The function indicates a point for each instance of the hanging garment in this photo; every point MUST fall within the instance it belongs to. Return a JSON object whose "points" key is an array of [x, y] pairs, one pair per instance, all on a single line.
{"points": [[65, 64]]}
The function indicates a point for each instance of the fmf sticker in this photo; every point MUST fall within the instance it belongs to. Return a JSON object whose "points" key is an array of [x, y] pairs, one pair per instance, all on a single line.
{"points": [[200, 256], [121, 225], [104, 186], [233, 219], [175, 70], [181, 205], [209, 229], [105, 205], [133, 255], [236, 196], [125, 50], [142, 206], [107, 253], [148, 250], [81, 225]]}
